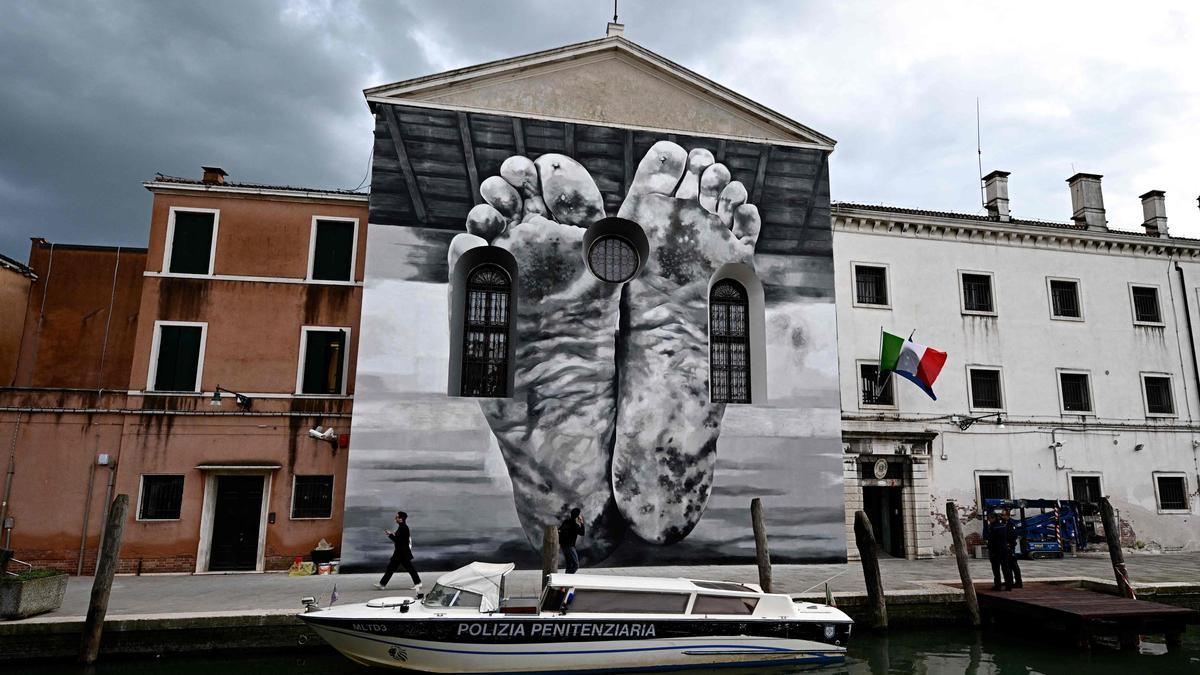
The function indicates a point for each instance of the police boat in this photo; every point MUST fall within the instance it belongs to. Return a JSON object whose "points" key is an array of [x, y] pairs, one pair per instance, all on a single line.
{"points": [[582, 623]]}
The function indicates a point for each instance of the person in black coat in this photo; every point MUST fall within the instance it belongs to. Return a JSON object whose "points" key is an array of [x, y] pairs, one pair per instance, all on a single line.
{"points": [[1013, 538], [996, 534], [569, 533], [402, 556]]}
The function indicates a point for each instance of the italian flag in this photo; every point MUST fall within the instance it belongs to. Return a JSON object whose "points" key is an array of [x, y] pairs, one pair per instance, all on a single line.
{"points": [[915, 362]]}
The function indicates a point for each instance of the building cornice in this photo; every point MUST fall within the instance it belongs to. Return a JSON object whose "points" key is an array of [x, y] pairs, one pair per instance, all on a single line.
{"points": [[968, 228], [283, 193]]}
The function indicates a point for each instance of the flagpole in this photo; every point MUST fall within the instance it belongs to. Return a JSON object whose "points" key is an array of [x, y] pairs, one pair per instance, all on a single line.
{"points": [[875, 386]]}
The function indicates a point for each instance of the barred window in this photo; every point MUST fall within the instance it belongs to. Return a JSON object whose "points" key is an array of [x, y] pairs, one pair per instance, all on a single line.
{"points": [[985, 388], [1172, 493], [312, 497], [872, 392], [613, 259], [729, 340], [994, 487], [977, 293], [161, 498], [1064, 298], [1145, 305], [485, 332], [1076, 395], [870, 285], [1158, 395]]}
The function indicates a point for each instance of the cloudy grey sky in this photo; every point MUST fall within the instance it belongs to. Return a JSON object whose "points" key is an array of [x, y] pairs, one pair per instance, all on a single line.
{"points": [[96, 97]]}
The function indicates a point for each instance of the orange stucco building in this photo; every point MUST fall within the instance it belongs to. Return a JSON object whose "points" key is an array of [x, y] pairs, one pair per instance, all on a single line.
{"points": [[188, 375]]}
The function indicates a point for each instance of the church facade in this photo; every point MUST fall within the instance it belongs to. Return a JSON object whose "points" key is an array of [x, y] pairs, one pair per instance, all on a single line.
{"points": [[594, 280]]}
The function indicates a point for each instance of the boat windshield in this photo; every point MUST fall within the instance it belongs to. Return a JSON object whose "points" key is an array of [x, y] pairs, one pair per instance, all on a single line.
{"points": [[445, 596]]}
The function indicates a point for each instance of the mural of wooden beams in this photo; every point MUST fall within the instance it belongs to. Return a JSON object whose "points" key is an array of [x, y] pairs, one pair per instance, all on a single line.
{"points": [[760, 175], [519, 135], [464, 129], [410, 179]]}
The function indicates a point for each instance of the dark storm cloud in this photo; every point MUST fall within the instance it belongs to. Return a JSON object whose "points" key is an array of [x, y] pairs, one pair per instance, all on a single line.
{"points": [[95, 97]]}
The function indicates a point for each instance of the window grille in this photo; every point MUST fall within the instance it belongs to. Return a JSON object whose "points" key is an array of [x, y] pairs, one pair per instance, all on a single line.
{"points": [[312, 497], [985, 388], [868, 373], [1075, 394], [977, 293], [1172, 493], [994, 487], [871, 285], [729, 312], [1064, 296], [485, 333], [613, 259], [1145, 304], [161, 498], [1158, 396]]}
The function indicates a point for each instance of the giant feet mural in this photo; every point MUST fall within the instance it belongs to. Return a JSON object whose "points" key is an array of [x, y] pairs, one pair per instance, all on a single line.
{"points": [[610, 408]]}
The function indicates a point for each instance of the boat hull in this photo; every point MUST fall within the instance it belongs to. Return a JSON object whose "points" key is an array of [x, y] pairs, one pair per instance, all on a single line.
{"points": [[536, 645]]}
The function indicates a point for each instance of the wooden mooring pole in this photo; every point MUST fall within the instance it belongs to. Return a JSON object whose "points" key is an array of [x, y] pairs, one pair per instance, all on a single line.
{"points": [[864, 539], [1112, 534], [549, 552], [960, 555], [110, 554], [761, 550]]}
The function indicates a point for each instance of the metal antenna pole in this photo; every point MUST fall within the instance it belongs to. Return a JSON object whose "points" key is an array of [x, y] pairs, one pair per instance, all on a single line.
{"points": [[615, 12], [979, 153]]}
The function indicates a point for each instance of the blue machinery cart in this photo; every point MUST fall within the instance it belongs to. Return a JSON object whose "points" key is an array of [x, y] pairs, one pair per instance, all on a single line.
{"points": [[1046, 527]]}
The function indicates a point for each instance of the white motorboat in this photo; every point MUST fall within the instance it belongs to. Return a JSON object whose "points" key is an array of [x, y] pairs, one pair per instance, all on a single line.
{"points": [[582, 623]]}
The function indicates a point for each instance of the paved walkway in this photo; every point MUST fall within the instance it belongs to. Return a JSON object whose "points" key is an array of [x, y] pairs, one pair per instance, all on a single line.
{"points": [[251, 593]]}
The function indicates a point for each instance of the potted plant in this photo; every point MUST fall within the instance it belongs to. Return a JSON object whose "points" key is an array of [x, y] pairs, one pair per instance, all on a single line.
{"points": [[32, 592]]}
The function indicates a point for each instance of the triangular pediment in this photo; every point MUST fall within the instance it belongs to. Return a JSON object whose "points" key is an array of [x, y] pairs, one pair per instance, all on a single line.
{"points": [[610, 81]]}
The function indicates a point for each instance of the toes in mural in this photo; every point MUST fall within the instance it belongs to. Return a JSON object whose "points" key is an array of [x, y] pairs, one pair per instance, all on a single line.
{"points": [[696, 220], [555, 429]]}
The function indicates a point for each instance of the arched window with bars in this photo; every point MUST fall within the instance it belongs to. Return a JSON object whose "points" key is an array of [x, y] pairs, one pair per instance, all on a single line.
{"points": [[729, 342], [485, 332]]}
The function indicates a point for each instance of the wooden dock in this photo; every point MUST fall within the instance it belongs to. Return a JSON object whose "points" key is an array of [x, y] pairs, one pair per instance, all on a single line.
{"points": [[1080, 615]]}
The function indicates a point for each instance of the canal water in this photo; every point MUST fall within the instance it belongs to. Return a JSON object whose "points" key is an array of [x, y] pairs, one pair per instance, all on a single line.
{"points": [[931, 652]]}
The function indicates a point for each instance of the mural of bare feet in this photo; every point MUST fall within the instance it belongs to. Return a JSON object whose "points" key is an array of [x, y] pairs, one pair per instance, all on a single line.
{"points": [[556, 429], [696, 220]]}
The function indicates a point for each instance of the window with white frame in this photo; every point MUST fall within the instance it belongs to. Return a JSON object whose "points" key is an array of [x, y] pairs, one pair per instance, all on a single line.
{"points": [[323, 360], [1159, 400], [977, 293], [177, 356], [312, 497], [160, 497], [875, 391], [871, 285], [1171, 491], [1145, 305], [332, 249], [191, 241], [1075, 393], [993, 486], [1064, 299], [985, 388]]}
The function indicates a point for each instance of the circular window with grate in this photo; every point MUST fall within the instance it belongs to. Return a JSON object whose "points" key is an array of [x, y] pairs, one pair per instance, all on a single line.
{"points": [[613, 259]]}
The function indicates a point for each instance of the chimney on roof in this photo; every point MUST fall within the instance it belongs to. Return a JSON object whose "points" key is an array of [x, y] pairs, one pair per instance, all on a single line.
{"points": [[213, 175], [614, 29], [1154, 213], [1087, 202], [995, 188]]}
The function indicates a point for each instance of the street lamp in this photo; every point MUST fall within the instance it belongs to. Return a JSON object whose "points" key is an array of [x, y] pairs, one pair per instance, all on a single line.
{"points": [[241, 400], [965, 423]]}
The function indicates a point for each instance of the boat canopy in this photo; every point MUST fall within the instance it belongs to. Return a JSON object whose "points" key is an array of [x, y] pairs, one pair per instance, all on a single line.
{"points": [[485, 579]]}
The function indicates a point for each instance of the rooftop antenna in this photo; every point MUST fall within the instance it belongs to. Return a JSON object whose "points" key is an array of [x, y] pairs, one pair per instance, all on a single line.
{"points": [[978, 152], [615, 12]]}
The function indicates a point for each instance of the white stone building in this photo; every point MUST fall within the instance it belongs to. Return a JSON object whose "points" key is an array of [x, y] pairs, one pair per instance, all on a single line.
{"points": [[1072, 366]]}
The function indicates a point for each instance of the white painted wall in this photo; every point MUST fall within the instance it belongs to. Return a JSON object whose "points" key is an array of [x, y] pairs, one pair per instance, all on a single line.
{"points": [[1029, 346]]}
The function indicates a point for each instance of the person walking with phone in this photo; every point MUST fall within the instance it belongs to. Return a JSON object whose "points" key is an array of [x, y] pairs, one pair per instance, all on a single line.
{"points": [[402, 555]]}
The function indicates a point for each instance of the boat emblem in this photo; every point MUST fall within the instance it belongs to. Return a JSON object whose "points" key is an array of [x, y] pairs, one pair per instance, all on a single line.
{"points": [[830, 631], [398, 654]]}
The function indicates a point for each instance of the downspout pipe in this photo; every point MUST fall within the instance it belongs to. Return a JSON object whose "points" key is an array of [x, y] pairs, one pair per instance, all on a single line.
{"points": [[1187, 319]]}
